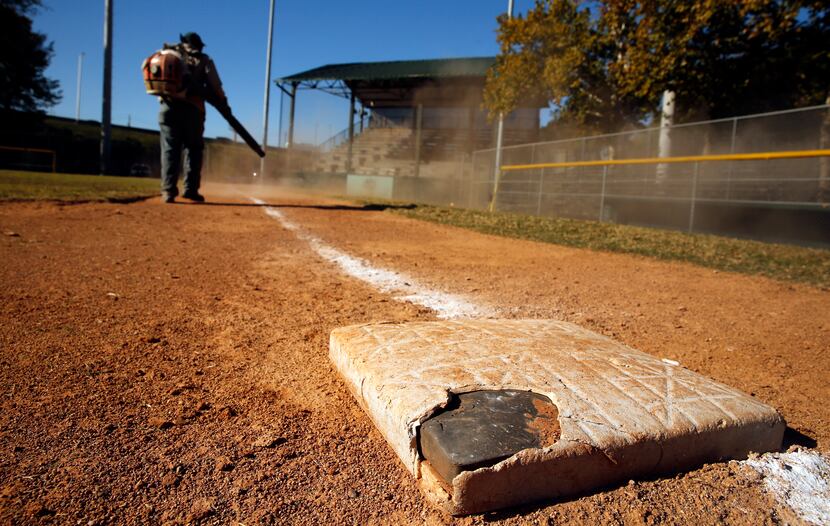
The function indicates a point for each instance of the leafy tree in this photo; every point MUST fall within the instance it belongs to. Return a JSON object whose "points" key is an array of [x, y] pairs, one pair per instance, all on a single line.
{"points": [[558, 53], [606, 64], [721, 57], [24, 55]]}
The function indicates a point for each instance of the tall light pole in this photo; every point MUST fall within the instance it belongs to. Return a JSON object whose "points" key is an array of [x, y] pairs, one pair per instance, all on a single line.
{"points": [[78, 88], [106, 105], [499, 137], [267, 90]]}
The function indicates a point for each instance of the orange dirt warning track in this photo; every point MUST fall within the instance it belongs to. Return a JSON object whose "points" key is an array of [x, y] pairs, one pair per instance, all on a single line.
{"points": [[168, 363]]}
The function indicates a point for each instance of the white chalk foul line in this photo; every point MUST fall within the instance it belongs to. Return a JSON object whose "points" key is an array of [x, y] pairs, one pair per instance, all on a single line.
{"points": [[801, 479], [399, 286]]}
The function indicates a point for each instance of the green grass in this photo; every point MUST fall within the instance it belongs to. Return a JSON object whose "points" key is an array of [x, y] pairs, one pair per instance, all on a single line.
{"points": [[19, 186], [783, 262]]}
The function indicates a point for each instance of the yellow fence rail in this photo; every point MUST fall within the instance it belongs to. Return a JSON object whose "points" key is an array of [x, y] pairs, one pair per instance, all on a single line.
{"points": [[765, 156], [695, 159], [35, 150]]}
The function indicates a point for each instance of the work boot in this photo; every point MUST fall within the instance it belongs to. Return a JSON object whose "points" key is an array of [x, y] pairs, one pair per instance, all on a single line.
{"points": [[168, 198], [196, 197]]}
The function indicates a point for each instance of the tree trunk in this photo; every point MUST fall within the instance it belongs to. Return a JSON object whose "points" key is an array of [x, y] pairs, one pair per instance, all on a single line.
{"points": [[664, 140]]}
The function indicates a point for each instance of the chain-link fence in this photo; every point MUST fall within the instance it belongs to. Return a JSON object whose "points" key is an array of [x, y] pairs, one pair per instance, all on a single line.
{"points": [[589, 178], [705, 195]]}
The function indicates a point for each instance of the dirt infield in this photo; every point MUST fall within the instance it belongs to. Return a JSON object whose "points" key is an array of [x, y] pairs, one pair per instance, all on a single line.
{"points": [[167, 363]]}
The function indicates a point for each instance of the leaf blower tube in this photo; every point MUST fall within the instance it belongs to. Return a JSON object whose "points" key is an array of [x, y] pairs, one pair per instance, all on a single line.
{"points": [[225, 111]]}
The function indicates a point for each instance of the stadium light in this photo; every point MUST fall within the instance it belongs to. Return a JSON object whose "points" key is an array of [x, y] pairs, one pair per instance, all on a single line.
{"points": [[78, 88], [106, 104], [267, 89], [499, 134]]}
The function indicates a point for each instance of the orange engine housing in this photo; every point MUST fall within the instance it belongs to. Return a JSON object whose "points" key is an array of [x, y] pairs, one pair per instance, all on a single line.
{"points": [[164, 73]]}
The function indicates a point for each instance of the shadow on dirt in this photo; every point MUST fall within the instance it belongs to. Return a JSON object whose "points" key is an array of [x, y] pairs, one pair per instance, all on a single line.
{"points": [[793, 437], [373, 207]]}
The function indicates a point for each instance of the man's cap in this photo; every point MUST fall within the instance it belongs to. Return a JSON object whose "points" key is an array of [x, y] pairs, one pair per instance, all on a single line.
{"points": [[192, 39]]}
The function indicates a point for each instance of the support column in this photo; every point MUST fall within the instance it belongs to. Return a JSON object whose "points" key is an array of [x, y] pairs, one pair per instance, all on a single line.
{"points": [[289, 143], [279, 129], [290, 140], [351, 133], [291, 115], [419, 121]]}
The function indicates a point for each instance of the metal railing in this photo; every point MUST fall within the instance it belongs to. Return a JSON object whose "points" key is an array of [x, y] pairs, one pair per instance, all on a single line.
{"points": [[772, 160], [343, 135], [735, 130], [693, 198]]}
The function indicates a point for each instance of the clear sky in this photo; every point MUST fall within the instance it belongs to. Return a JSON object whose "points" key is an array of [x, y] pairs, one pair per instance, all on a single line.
{"points": [[307, 34]]}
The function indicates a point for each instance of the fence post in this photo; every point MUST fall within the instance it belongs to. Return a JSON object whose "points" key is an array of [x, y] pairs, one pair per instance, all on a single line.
{"points": [[496, 177], [732, 151], [541, 179], [602, 193], [694, 198], [824, 162], [470, 185], [419, 120]]}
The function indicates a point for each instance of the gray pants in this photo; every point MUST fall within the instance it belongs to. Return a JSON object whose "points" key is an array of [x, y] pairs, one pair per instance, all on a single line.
{"points": [[182, 125]]}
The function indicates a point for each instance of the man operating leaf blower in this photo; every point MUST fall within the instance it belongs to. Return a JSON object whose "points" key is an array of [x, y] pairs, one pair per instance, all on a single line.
{"points": [[184, 79]]}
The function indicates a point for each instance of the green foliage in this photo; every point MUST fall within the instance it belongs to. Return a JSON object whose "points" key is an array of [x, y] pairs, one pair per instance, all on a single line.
{"points": [[18, 186], [24, 56], [605, 65], [783, 262], [557, 53], [722, 57], [77, 144]]}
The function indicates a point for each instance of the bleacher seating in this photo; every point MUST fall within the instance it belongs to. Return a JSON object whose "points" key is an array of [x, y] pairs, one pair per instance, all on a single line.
{"points": [[391, 151]]}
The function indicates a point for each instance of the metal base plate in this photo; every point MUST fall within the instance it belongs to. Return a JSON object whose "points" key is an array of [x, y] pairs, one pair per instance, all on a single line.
{"points": [[481, 428]]}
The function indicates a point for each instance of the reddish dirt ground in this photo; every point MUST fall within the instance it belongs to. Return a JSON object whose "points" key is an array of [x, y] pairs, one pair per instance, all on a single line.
{"points": [[168, 363]]}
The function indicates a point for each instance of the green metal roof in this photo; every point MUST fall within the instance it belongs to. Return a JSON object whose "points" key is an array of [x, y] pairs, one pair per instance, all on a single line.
{"points": [[398, 69]]}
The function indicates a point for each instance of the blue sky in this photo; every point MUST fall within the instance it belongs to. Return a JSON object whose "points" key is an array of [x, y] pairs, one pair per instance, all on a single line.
{"points": [[307, 34]]}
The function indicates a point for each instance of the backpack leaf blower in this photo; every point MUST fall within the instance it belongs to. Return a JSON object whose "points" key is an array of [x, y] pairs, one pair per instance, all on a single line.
{"points": [[166, 75]]}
